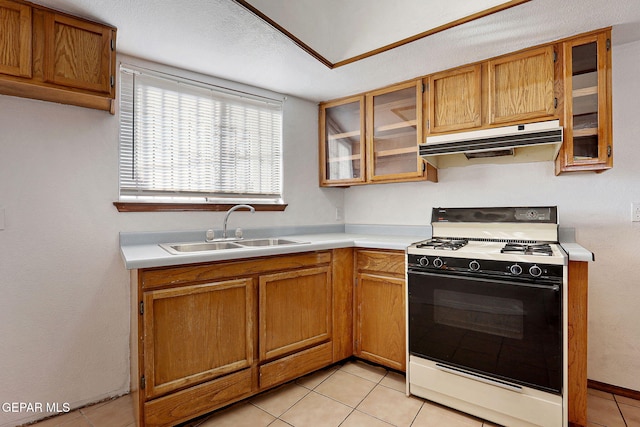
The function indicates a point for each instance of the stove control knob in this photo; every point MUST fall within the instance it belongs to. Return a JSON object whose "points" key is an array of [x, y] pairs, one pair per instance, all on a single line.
{"points": [[474, 265], [437, 263], [535, 271], [424, 261], [515, 269]]}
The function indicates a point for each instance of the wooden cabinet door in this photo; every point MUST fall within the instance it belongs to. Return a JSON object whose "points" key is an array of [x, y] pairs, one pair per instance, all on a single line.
{"points": [[195, 333], [295, 311], [587, 84], [78, 54], [521, 86], [394, 131], [455, 99], [380, 320], [342, 155], [15, 39]]}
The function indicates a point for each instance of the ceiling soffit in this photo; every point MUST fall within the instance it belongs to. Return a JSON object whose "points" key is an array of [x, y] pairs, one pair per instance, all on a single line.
{"points": [[335, 33]]}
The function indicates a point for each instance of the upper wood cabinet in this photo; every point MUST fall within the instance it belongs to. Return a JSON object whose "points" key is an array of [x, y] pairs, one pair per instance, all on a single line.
{"points": [[342, 152], [568, 80], [394, 130], [587, 104], [77, 53], [454, 99], [521, 86], [15, 39], [48, 55], [373, 138]]}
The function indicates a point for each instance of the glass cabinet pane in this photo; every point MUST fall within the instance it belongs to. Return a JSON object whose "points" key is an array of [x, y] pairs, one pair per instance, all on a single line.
{"points": [[343, 143], [395, 133], [588, 137], [585, 102]]}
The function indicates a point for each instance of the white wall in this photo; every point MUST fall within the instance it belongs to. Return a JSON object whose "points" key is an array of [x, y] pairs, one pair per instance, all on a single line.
{"points": [[64, 290], [597, 205]]}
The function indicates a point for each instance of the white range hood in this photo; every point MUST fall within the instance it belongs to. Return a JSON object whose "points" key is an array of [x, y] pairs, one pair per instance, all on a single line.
{"points": [[531, 142]]}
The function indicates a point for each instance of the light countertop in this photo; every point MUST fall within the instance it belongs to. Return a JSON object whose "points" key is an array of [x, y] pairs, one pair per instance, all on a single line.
{"points": [[142, 250]]}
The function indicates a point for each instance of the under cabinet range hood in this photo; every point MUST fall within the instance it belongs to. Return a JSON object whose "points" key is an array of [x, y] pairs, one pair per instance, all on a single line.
{"points": [[531, 142]]}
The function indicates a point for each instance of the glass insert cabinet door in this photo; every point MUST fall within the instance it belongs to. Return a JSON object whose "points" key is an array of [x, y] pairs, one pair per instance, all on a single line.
{"points": [[342, 154], [394, 130], [588, 117]]}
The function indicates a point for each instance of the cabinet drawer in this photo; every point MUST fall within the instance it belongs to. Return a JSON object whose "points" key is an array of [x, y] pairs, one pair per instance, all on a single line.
{"points": [[198, 400], [296, 365], [391, 262]]}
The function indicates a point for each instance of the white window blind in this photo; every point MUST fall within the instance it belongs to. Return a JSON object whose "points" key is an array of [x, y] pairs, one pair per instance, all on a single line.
{"points": [[184, 141]]}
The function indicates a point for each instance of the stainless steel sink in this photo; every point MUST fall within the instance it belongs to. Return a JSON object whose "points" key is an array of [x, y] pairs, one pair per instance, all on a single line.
{"points": [[181, 248], [185, 248], [269, 241]]}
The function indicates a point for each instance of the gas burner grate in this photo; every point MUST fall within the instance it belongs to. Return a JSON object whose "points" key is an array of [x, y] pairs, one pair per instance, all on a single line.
{"points": [[535, 249], [443, 244]]}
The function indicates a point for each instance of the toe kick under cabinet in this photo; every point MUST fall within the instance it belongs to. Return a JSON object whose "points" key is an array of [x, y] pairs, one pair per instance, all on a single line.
{"points": [[207, 335]]}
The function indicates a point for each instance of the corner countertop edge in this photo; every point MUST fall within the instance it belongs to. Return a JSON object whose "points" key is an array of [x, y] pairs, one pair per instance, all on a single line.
{"points": [[567, 239]]}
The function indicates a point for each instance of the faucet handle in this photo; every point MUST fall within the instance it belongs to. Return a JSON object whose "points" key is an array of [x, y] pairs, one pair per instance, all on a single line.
{"points": [[238, 233], [211, 235]]}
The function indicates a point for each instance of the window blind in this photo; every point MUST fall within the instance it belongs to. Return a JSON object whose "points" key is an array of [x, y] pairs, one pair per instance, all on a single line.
{"points": [[185, 141]]}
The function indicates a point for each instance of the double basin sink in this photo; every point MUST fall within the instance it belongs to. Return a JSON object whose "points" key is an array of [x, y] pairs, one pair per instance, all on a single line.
{"points": [[185, 248]]}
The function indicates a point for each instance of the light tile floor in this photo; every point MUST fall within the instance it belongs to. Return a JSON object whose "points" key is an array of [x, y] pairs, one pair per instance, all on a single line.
{"points": [[354, 394]]}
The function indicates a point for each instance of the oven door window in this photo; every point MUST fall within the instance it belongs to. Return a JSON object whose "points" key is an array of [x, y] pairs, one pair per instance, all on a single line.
{"points": [[510, 331]]}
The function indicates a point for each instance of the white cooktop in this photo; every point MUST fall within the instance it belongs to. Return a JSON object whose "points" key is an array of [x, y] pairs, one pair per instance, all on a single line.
{"points": [[491, 250]]}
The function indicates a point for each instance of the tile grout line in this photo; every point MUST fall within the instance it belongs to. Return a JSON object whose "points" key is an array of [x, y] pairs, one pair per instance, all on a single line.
{"points": [[620, 411]]}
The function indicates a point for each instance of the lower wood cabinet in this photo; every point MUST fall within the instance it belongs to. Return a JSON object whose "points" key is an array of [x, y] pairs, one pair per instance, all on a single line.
{"points": [[294, 314], [295, 311], [196, 333], [207, 335], [380, 307]]}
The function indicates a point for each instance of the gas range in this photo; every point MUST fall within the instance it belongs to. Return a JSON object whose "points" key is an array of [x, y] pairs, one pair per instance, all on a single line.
{"points": [[487, 333], [502, 242]]}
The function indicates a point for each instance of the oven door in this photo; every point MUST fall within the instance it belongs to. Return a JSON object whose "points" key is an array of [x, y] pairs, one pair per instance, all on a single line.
{"points": [[505, 330]]}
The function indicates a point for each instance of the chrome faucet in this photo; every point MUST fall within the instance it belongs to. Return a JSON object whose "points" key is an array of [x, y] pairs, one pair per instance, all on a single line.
{"points": [[226, 217]]}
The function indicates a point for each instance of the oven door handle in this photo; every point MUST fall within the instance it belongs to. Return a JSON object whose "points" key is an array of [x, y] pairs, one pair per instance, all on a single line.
{"points": [[553, 287], [477, 377]]}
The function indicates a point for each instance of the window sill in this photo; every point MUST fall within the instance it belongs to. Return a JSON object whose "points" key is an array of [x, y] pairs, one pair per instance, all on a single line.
{"points": [[185, 207]]}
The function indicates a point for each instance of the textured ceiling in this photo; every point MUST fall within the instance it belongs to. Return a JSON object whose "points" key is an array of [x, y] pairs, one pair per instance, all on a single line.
{"points": [[339, 30], [223, 39]]}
